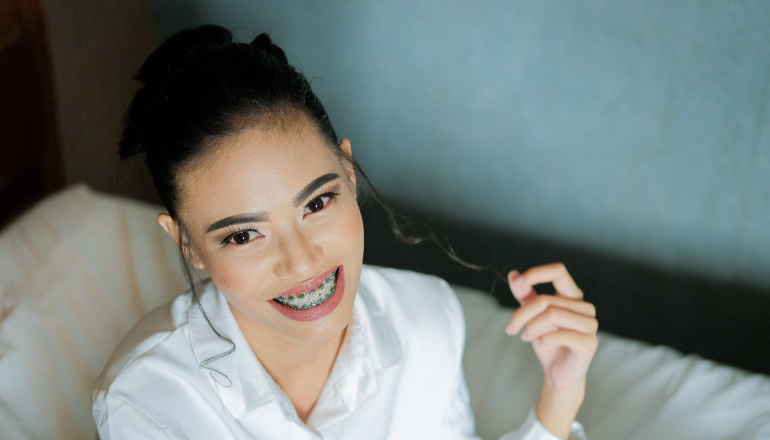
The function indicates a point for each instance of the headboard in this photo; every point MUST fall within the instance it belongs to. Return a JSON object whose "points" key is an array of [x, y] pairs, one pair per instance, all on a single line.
{"points": [[30, 165]]}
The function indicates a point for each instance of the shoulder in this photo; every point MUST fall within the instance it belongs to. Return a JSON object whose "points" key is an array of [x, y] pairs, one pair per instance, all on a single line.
{"points": [[152, 378], [153, 340], [414, 293], [417, 304], [429, 328]]}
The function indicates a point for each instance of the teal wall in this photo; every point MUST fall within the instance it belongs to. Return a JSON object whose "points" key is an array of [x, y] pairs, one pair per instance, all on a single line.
{"points": [[640, 129]]}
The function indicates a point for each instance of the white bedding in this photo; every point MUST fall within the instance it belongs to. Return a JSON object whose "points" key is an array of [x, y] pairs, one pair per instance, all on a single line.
{"points": [[80, 268], [635, 391]]}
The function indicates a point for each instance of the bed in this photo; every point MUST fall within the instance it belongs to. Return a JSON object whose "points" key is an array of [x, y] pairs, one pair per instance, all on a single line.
{"points": [[78, 268], [81, 267]]}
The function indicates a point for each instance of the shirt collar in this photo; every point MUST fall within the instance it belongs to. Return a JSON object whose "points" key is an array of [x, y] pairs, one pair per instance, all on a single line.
{"points": [[237, 377], [378, 332], [371, 344]]}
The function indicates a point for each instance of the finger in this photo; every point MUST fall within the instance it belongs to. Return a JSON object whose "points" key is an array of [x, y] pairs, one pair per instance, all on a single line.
{"points": [[578, 342], [555, 273], [554, 319], [539, 304], [521, 291]]}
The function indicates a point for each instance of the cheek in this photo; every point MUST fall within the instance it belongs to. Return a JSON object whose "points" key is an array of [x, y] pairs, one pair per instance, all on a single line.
{"points": [[350, 229], [235, 277]]}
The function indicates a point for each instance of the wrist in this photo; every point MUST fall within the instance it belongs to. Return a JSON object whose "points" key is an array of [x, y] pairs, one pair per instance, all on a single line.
{"points": [[557, 407]]}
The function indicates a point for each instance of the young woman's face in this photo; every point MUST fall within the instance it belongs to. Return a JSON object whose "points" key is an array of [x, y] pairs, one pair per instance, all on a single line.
{"points": [[272, 216]]}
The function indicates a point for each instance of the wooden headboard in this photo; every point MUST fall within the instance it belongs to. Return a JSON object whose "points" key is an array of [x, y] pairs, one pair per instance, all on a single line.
{"points": [[30, 165]]}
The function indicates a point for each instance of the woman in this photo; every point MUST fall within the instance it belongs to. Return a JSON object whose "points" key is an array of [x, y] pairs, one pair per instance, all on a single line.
{"points": [[293, 337]]}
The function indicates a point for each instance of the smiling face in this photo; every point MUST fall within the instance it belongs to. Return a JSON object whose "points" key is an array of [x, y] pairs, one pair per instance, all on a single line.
{"points": [[271, 213]]}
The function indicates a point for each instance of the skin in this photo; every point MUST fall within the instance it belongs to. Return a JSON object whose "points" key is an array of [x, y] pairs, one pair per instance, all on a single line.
{"points": [[562, 329], [262, 169]]}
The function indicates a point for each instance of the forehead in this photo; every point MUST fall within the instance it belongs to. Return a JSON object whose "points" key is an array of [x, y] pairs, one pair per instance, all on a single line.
{"points": [[261, 167]]}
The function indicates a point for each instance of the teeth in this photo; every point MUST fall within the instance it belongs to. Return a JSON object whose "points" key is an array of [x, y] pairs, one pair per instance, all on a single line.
{"points": [[314, 298]]}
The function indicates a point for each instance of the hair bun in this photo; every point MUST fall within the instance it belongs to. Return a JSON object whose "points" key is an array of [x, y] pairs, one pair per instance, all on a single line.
{"points": [[178, 49], [157, 73], [264, 42]]}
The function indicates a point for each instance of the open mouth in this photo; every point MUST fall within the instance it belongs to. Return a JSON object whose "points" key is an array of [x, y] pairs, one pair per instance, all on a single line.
{"points": [[313, 298]]}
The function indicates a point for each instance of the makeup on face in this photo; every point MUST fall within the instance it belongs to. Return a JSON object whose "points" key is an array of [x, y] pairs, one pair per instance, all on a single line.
{"points": [[276, 224], [300, 197], [312, 300]]}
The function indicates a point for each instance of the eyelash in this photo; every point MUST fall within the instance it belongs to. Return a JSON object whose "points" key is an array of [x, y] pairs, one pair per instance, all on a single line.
{"points": [[330, 196], [228, 239]]}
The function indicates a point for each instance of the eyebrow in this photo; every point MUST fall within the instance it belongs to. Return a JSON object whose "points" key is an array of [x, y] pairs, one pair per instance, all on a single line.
{"points": [[311, 187], [255, 217], [237, 219]]}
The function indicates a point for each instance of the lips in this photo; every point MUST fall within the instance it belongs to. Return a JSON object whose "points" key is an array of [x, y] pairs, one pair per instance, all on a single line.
{"points": [[313, 298], [326, 306]]}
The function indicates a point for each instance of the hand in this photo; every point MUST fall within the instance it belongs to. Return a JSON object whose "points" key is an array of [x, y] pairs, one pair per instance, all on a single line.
{"points": [[562, 329]]}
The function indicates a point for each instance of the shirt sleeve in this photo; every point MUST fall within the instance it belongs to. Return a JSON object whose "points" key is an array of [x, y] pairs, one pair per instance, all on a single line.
{"points": [[116, 420]]}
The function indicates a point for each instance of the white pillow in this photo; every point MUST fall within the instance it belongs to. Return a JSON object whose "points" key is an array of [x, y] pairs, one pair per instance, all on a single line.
{"points": [[76, 272]]}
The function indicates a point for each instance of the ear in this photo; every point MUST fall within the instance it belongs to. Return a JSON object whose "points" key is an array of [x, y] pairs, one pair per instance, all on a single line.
{"points": [[347, 149], [171, 227]]}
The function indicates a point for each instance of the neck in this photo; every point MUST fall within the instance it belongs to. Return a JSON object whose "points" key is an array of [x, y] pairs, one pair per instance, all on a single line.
{"points": [[300, 368], [285, 360]]}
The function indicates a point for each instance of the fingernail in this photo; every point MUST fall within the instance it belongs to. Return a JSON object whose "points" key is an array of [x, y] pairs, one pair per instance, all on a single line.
{"points": [[510, 330], [518, 281]]}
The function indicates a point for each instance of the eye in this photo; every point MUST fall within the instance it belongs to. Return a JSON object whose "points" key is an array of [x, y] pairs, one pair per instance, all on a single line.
{"points": [[319, 202], [241, 237]]}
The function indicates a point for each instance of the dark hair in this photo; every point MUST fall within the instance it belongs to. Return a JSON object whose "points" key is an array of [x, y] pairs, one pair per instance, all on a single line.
{"points": [[200, 86]]}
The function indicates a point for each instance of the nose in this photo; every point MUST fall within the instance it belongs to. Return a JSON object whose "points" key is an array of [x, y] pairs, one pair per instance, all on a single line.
{"points": [[299, 257]]}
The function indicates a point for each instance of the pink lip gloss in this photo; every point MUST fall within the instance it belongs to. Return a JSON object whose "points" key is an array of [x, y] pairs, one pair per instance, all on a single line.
{"points": [[319, 311]]}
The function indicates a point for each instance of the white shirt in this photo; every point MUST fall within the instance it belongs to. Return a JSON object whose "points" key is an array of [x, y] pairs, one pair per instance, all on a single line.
{"points": [[398, 374]]}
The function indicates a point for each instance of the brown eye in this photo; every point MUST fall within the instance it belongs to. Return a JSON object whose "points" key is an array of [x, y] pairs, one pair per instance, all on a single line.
{"points": [[243, 237], [319, 202], [316, 205]]}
